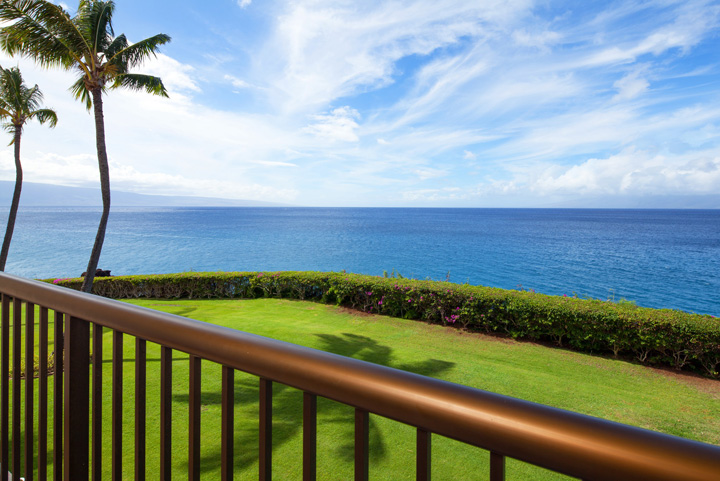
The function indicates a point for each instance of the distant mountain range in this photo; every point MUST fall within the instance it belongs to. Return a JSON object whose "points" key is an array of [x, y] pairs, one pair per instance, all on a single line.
{"points": [[47, 195]]}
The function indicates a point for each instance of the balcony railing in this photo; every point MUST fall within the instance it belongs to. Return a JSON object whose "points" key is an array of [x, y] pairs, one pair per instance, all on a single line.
{"points": [[577, 445]]}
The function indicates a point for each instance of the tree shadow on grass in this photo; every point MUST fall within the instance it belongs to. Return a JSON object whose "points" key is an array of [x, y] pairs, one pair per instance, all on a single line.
{"points": [[288, 405]]}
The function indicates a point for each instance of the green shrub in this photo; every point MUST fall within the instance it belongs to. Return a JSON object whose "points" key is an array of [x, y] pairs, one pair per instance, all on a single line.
{"points": [[660, 337]]}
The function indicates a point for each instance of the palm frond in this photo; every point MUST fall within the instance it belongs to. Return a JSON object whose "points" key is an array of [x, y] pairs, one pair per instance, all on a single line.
{"points": [[81, 93], [19, 103], [11, 128], [133, 55], [96, 19], [12, 89], [44, 115], [33, 97], [42, 31], [148, 83], [118, 44]]}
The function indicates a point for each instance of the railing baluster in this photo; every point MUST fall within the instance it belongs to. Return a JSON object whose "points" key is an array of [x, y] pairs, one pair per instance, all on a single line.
{"points": [[140, 407], [265, 433], [97, 438], [228, 423], [77, 394], [117, 405], [362, 444], [4, 386], [497, 467], [42, 394], [16, 350], [194, 420], [424, 455], [59, 346], [165, 413], [29, 394], [309, 436]]}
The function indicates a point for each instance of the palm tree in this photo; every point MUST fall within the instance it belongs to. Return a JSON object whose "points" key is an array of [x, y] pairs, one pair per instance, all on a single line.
{"points": [[86, 42], [18, 104]]}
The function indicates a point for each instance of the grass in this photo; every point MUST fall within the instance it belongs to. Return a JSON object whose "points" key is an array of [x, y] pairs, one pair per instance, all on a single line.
{"points": [[675, 404]]}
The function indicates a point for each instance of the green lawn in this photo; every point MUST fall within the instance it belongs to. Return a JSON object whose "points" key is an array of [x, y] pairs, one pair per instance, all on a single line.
{"points": [[616, 390]]}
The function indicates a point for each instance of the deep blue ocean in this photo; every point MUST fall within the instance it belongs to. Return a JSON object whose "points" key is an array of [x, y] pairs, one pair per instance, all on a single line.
{"points": [[656, 258]]}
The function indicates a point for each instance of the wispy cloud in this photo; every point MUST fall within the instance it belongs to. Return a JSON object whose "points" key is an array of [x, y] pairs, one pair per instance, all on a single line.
{"points": [[339, 124]]}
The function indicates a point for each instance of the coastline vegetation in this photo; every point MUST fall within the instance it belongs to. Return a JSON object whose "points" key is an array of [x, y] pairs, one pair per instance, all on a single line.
{"points": [[654, 337]]}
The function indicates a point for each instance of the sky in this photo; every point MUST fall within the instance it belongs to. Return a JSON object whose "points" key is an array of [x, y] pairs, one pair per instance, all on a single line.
{"points": [[415, 103]]}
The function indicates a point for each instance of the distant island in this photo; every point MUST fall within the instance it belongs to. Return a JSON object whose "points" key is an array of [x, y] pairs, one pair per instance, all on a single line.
{"points": [[48, 195]]}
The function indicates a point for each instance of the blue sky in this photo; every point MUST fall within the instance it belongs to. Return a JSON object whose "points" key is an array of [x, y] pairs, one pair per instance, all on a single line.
{"points": [[514, 103]]}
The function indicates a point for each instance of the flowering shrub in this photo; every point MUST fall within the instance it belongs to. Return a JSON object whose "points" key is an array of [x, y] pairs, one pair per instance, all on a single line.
{"points": [[650, 336]]}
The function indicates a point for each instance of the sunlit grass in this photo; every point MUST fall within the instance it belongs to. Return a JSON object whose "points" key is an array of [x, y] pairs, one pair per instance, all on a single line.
{"points": [[607, 388]]}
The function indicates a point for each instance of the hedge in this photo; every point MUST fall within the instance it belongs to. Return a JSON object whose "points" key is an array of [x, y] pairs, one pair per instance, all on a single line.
{"points": [[658, 337]]}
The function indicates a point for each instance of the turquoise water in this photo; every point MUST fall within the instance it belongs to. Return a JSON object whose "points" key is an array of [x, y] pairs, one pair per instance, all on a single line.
{"points": [[656, 258]]}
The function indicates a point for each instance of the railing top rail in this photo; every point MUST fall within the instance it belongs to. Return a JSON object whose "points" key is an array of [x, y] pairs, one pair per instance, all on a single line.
{"points": [[571, 443]]}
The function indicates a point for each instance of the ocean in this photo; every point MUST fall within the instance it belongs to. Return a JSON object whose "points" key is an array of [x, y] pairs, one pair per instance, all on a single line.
{"points": [[655, 258]]}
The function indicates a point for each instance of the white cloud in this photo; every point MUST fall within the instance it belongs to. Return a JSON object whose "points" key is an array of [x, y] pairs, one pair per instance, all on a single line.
{"points": [[239, 83], [630, 86], [540, 40], [176, 76], [426, 173], [467, 155], [383, 142], [340, 124], [634, 172], [244, 3]]}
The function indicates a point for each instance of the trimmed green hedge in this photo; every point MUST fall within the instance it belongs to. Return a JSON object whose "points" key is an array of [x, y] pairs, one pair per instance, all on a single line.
{"points": [[660, 337]]}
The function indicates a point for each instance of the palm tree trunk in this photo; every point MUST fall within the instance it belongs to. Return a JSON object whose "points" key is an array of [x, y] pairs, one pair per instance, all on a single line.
{"points": [[104, 187], [15, 201]]}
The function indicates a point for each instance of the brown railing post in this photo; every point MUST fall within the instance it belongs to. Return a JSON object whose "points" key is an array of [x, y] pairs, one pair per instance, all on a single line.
{"points": [[424, 454], [228, 424], [140, 407], [265, 433], [97, 360], [43, 394], [497, 467], [59, 347], [77, 397], [117, 405], [194, 419], [16, 407], [309, 436], [4, 386], [165, 413], [362, 445], [29, 395]]}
